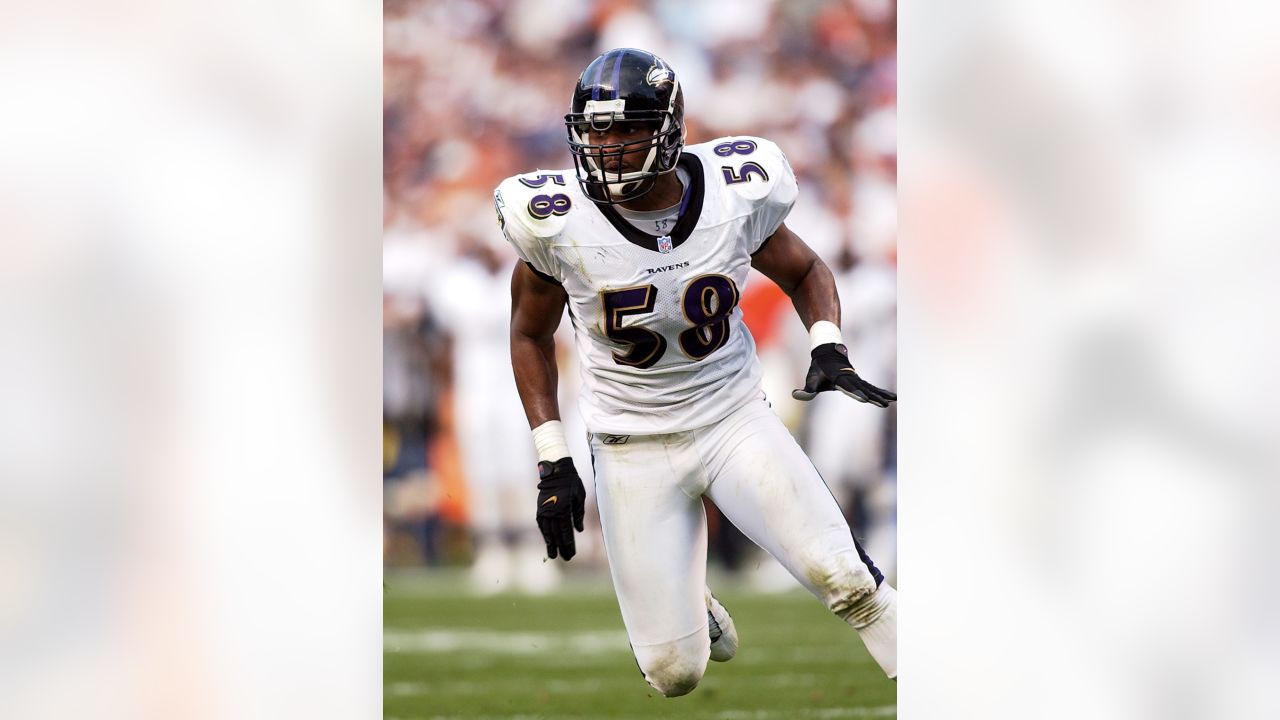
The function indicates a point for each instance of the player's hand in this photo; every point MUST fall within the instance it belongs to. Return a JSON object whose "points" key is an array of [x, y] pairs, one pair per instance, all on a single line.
{"points": [[831, 370], [561, 505]]}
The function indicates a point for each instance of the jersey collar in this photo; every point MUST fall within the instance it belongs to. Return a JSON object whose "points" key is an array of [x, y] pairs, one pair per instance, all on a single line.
{"points": [[691, 207]]}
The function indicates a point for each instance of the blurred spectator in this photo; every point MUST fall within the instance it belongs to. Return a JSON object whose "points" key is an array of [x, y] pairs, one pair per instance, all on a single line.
{"points": [[414, 367], [474, 300]]}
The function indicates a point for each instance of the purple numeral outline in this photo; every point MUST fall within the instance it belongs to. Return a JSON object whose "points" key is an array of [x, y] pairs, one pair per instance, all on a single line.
{"points": [[744, 173], [736, 147], [709, 326], [542, 180], [710, 329], [647, 346], [544, 206]]}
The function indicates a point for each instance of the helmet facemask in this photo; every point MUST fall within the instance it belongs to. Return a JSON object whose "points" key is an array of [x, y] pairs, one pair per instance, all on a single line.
{"points": [[617, 172]]}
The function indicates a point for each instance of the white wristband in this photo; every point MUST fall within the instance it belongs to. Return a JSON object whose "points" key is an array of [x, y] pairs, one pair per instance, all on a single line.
{"points": [[823, 332], [548, 438]]}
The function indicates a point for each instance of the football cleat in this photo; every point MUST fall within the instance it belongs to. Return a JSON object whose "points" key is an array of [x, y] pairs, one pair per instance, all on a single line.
{"points": [[724, 636]]}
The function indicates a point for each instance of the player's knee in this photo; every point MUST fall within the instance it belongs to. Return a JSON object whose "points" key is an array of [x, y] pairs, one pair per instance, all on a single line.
{"points": [[673, 670], [676, 679], [847, 588]]}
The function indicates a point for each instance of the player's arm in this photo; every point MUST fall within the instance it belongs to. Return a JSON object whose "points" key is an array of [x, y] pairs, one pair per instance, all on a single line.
{"points": [[797, 269], [785, 259], [536, 307]]}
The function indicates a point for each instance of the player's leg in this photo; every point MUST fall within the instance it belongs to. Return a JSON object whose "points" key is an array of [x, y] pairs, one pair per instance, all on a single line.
{"points": [[491, 569], [514, 476], [765, 485], [655, 535], [721, 630]]}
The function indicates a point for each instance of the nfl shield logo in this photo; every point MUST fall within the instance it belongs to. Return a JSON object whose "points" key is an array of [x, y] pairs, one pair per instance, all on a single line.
{"points": [[664, 244]]}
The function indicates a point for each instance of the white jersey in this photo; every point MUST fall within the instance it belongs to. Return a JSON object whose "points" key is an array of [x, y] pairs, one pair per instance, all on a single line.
{"points": [[659, 334]]}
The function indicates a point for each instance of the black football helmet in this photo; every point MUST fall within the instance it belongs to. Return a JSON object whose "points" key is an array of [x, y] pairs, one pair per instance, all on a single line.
{"points": [[625, 86]]}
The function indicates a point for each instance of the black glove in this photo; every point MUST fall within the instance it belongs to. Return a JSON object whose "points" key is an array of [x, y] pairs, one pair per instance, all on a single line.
{"points": [[831, 370], [561, 504]]}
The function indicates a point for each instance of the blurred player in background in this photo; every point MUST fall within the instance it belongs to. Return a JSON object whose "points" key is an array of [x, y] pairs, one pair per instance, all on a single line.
{"points": [[847, 445], [474, 299], [649, 243]]}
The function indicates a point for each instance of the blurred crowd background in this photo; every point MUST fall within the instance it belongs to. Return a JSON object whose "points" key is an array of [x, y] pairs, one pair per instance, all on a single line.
{"points": [[475, 91], [189, 376]]}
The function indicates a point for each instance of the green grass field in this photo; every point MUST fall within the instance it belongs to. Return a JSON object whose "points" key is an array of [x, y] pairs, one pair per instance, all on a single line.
{"points": [[449, 655]]}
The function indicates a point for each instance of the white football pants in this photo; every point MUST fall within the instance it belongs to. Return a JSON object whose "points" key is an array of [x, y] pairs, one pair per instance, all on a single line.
{"points": [[649, 490]]}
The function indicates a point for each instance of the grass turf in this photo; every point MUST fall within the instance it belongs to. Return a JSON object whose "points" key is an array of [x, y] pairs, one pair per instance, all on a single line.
{"points": [[447, 654]]}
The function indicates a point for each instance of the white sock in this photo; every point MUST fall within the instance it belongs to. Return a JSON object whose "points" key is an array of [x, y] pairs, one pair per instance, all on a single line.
{"points": [[881, 635]]}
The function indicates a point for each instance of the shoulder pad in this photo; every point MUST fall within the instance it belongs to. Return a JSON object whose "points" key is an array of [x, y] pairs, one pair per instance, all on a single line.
{"points": [[537, 203], [754, 170], [532, 210], [752, 167]]}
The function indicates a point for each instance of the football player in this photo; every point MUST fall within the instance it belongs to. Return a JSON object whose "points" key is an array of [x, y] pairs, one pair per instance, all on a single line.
{"points": [[649, 242], [506, 539]]}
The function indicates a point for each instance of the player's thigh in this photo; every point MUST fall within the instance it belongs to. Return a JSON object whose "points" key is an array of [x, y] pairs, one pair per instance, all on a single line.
{"points": [[763, 482], [655, 534]]}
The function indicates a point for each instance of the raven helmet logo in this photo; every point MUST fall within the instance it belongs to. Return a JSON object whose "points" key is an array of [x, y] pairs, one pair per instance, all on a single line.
{"points": [[659, 74], [498, 204]]}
